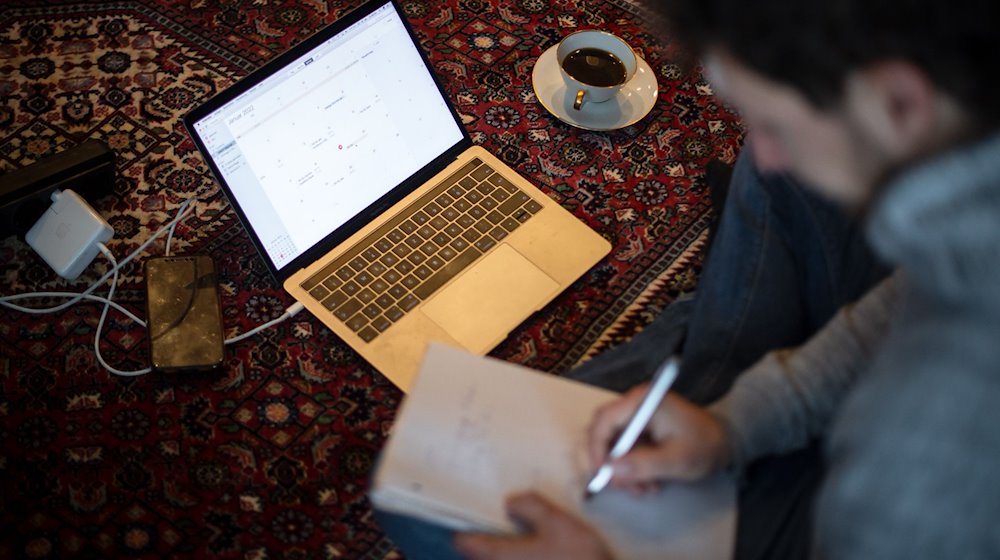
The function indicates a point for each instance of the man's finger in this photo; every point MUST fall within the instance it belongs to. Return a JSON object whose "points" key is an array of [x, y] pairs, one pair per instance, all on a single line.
{"points": [[531, 509], [608, 421]]}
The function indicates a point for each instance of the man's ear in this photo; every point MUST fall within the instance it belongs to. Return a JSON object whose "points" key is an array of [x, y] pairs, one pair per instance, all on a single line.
{"points": [[901, 106]]}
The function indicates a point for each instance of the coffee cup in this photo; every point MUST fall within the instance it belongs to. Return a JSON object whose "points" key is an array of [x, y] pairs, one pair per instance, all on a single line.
{"points": [[595, 65]]}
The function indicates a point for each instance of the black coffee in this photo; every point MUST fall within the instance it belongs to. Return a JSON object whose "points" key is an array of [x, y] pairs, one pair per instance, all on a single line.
{"points": [[595, 67]]}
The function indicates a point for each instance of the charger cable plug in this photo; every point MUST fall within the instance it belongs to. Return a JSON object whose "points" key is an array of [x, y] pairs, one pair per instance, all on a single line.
{"points": [[69, 234]]}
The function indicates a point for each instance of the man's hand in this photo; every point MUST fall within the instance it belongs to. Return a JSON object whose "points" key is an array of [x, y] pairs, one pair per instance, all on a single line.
{"points": [[554, 535], [687, 443]]}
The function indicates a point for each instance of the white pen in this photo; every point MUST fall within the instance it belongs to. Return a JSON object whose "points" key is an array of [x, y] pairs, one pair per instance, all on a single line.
{"points": [[662, 381]]}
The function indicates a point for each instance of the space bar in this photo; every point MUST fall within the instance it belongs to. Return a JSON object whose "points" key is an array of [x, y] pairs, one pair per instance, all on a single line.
{"points": [[449, 271]]}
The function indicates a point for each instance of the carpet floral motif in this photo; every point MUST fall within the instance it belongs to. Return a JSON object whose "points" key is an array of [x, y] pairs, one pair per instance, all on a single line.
{"points": [[270, 457]]}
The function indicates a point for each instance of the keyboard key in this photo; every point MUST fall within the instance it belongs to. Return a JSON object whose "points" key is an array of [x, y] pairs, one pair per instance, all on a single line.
{"points": [[453, 230], [429, 248], [358, 264], [394, 313], [416, 257], [411, 281], [510, 224], [390, 259], [502, 182], [459, 244], [462, 204], [422, 272], [426, 231], [335, 300], [435, 262], [319, 292], [485, 243], [446, 273], [379, 286], [498, 233], [371, 311], [447, 253], [443, 200], [346, 311], [533, 207], [381, 323], [438, 223], [396, 236], [432, 209], [407, 227], [368, 334], [385, 300], [481, 173], [489, 203], [357, 321], [391, 276], [383, 245], [397, 291], [494, 217], [366, 295], [457, 191], [377, 269], [481, 227], [345, 273], [450, 213], [363, 278], [514, 202], [443, 238], [408, 302], [351, 288], [413, 242], [404, 267], [371, 254], [419, 218]]}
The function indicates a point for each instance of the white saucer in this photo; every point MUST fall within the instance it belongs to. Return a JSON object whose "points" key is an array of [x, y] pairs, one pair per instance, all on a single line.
{"points": [[632, 103]]}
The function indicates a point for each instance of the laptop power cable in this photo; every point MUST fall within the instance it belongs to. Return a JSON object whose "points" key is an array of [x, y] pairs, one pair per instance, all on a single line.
{"points": [[68, 237]]}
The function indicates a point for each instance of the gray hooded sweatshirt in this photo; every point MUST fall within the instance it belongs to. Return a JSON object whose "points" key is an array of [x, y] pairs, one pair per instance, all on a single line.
{"points": [[904, 384]]}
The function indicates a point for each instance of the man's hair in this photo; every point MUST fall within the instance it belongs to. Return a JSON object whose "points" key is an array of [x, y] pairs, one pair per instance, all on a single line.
{"points": [[814, 45]]}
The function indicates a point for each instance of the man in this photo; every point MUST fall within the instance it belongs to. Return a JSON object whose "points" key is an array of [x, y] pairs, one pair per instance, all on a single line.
{"points": [[890, 108]]}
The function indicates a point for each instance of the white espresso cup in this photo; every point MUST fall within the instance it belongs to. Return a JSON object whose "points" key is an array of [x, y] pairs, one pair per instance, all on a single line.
{"points": [[595, 65]]}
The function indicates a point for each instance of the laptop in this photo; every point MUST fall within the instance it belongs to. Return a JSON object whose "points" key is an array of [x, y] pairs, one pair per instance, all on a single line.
{"points": [[356, 181]]}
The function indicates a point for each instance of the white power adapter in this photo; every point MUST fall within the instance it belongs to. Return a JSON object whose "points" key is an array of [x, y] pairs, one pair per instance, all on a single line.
{"points": [[68, 233]]}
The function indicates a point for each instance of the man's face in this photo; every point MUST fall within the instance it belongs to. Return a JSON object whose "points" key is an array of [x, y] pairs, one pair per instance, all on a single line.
{"points": [[831, 151]]}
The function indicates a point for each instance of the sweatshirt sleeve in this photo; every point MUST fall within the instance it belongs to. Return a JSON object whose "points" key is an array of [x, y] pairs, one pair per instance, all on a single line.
{"points": [[789, 396]]}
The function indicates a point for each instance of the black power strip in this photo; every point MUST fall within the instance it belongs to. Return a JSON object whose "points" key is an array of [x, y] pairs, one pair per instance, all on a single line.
{"points": [[88, 169]]}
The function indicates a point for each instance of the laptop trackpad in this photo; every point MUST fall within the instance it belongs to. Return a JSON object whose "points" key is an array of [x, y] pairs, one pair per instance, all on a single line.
{"points": [[504, 288]]}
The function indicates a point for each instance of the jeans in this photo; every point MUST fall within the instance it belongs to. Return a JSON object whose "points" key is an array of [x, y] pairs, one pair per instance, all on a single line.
{"points": [[782, 261]]}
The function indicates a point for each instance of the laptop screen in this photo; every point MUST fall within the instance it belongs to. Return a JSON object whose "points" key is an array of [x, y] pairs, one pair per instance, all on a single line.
{"points": [[335, 129]]}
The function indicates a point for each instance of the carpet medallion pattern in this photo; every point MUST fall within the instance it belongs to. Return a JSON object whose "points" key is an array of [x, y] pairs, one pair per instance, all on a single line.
{"points": [[270, 458]]}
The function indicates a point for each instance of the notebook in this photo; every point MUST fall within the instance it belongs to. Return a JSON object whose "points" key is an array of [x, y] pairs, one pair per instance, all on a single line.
{"points": [[456, 453], [354, 177]]}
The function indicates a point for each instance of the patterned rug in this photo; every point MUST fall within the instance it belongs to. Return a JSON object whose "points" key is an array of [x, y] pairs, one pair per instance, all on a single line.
{"points": [[270, 458]]}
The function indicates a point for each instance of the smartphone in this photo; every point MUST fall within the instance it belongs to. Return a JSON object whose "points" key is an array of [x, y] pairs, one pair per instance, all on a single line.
{"points": [[183, 313]]}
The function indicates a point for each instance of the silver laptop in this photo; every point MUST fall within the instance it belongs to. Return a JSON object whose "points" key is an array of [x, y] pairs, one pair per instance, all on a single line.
{"points": [[355, 179]]}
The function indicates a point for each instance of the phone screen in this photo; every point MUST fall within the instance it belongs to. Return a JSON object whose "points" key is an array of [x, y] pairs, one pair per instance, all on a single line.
{"points": [[183, 313]]}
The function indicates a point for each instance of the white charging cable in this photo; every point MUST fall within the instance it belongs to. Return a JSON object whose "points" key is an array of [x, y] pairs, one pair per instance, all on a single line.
{"points": [[184, 210], [104, 315]]}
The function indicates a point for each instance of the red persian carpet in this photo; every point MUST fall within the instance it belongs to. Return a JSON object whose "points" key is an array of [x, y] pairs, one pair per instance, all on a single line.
{"points": [[270, 458]]}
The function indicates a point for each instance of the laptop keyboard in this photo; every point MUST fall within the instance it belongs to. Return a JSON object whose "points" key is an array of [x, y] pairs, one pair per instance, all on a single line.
{"points": [[407, 259]]}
